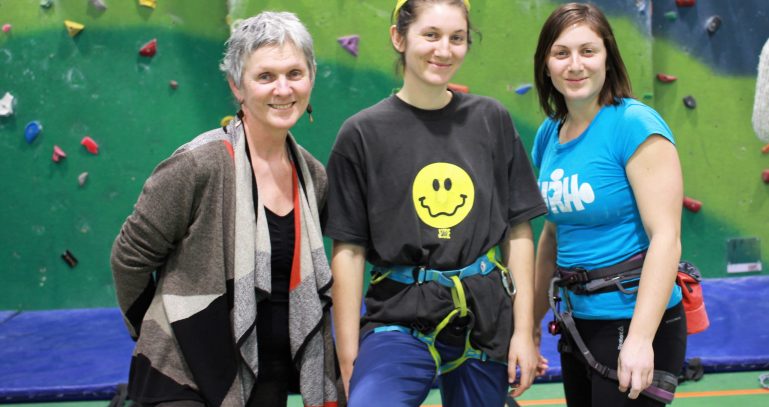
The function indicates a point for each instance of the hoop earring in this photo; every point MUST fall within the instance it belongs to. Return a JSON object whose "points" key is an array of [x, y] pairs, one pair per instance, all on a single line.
{"points": [[309, 112]]}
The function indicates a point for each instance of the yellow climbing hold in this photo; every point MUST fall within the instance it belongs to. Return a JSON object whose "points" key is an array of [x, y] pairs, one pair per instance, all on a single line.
{"points": [[226, 120], [148, 3], [73, 28]]}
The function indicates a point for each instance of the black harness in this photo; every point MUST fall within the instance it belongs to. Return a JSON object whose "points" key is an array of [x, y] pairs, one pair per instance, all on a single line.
{"points": [[619, 277]]}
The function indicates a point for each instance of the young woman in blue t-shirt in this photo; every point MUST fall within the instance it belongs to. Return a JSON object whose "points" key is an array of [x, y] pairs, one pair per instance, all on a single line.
{"points": [[611, 178]]}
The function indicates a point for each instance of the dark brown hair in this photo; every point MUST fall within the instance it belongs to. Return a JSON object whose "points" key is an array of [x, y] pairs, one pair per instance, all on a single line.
{"points": [[617, 85], [409, 12]]}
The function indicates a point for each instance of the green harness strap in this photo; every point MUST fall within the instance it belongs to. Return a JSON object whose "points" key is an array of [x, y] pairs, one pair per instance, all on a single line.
{"points": [[460, 309]]}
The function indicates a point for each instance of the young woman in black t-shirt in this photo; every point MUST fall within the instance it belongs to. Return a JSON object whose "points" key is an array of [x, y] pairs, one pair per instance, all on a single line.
{"points": [[421, 185]]}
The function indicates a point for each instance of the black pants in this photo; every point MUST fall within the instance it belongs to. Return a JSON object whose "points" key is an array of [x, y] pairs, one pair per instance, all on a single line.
{"points": [[586, 387]]}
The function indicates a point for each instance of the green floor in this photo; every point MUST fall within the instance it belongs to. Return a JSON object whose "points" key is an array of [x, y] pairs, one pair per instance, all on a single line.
{"points": [[715, 389]]}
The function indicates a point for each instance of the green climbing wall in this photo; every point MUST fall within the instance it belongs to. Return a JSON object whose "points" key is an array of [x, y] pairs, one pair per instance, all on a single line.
{"points": [[96, 84]]}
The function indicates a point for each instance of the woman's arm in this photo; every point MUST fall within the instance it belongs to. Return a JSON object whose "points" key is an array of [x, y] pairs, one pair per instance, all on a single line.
{"points": [[544, 268], [518, 252], [654, 172], [160, 219], [347, 266]]}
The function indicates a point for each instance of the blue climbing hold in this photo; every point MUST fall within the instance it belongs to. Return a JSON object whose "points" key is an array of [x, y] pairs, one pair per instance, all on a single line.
{"points": [[32, 130], [523, 89]]}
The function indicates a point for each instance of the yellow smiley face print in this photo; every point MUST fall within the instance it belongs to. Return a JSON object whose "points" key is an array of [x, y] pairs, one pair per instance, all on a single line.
{"points": [[443, 195]]}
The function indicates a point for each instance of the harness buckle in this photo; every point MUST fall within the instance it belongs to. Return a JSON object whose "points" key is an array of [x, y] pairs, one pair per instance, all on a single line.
{"points": [[419, 275], [576, 275], [507, 282]]}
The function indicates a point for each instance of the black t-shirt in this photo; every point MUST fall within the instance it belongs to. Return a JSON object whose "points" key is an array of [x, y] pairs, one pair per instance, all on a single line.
{"points": [[435, 188]]}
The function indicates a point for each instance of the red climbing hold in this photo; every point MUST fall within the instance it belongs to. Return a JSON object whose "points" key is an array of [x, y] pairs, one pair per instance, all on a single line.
{"points": [[692, 204], [685, 3], [90, 145], [173, 84], [765, 176], [149, 49], [58, 154], [350, 44], [665, 78], [459, 88]]}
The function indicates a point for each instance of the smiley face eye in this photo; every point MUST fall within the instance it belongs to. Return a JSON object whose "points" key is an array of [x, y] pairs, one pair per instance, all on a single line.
{"points": [[436, 185], [447, 184]]}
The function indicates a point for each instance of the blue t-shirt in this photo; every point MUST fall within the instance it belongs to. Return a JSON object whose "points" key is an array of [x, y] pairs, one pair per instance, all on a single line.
{"points": [[590, 201]]}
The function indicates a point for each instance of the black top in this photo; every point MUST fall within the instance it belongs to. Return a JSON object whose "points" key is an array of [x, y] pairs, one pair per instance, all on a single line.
{"points": [[273, 340], [434, 188], [272, 312]]}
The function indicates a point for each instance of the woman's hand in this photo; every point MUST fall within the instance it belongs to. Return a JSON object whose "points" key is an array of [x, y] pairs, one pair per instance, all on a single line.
{"points": [[524, 355], [635, 366]]}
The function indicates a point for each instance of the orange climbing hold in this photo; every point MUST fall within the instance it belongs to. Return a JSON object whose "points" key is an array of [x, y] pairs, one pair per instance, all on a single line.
{"points": [[765, 149], [665, 78], [459, 88]]}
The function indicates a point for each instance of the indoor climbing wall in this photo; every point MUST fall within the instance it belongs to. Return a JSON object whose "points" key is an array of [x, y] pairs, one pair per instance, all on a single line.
{"points": [[100, 91]]}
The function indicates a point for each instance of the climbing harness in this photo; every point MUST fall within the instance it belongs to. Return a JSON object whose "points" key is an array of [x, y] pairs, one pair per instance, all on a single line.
{"points": [[452, 279], [620, 277]]}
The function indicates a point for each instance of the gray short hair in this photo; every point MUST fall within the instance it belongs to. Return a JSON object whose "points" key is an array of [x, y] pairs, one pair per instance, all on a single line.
{"points": [[268, 28]]}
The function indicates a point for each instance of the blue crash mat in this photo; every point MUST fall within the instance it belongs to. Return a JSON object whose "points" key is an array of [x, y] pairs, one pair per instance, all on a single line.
{"points": [[84, 354], [79, 354], [738, 336]]}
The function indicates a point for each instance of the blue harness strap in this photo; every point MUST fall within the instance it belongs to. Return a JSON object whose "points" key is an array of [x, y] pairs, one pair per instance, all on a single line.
{"points": [[420, 275], [451, 279]]}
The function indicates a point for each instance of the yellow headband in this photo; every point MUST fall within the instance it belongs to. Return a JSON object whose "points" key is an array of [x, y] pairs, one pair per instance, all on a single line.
{"points": [[400, 4]]}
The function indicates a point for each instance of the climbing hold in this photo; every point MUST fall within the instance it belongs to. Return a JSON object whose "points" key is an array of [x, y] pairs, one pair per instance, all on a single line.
{"points": [[90, 145], [150, 48], [761, 101], [99, 4], [459, 88], [32, 130], [69, 258], [648, 96], [7, 27], [671, 16], [765, 176], [765, 149], [350, 43], [173, 84], [713, 24], [521, 90], [58, 154], [6, 105], [82, 178], [148, 3], [640, 6], [226, 120], [692, 205], [73, 28], [690, 102], [685, 3], [665, 78], [46, 3]]}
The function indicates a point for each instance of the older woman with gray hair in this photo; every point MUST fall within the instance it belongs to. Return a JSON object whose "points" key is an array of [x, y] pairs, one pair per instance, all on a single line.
{"points": [[220, 270]]}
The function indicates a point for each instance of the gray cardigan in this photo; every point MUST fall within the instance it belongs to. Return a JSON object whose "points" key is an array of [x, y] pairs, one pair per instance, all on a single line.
{"points": [[173, 265]]}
